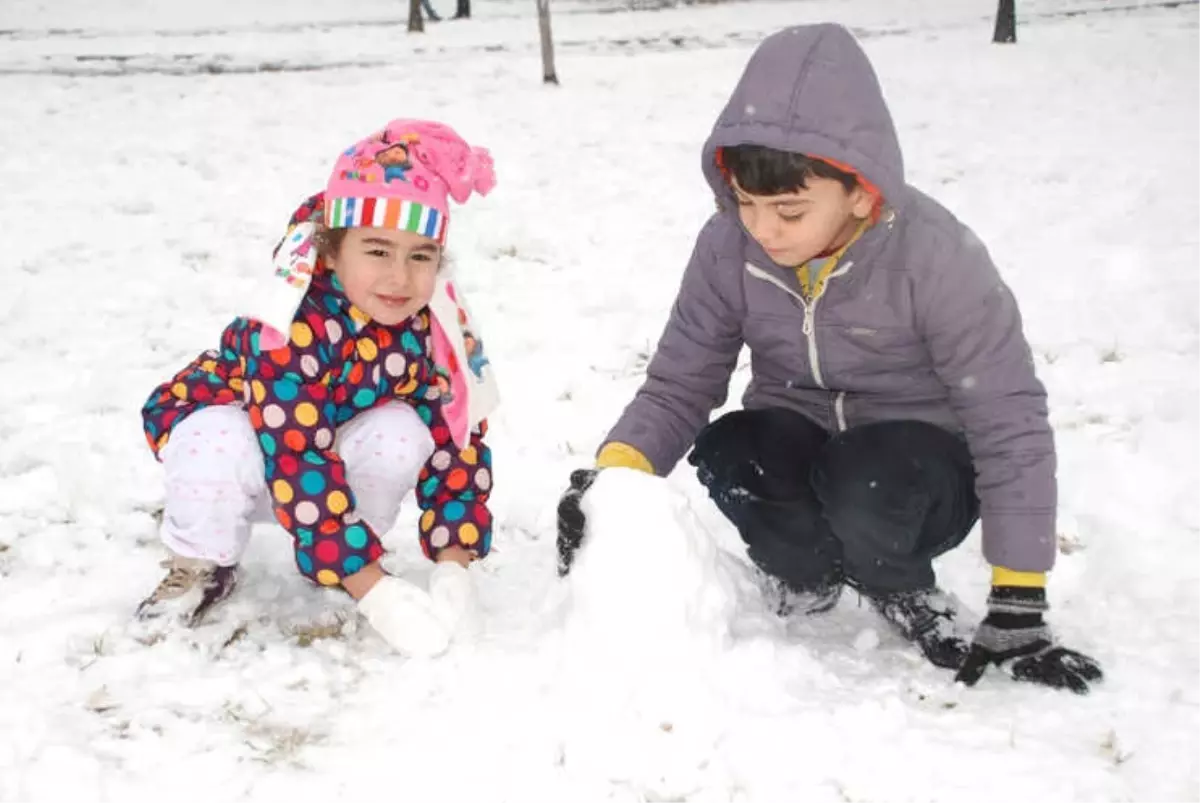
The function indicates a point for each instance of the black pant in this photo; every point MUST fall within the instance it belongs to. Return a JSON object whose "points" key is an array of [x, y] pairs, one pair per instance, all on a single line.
{"points": [[873, 505]]}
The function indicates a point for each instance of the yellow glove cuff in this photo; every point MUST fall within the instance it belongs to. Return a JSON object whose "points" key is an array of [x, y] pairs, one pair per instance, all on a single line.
{"points": [[1007, 577], [622, 455]]}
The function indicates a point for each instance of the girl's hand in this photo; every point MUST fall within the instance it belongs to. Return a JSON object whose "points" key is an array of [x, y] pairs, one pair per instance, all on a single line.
{"points": [[362, 581], [455, 554], [413, 622], [405, 616]]}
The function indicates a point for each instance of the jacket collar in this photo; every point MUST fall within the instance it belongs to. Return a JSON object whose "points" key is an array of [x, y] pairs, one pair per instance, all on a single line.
{"points": [[326, 282], [855, 263]]}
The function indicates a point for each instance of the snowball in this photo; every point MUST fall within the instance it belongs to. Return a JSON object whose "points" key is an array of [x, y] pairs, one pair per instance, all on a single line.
{"points": [[650, 577], [651, 598]]}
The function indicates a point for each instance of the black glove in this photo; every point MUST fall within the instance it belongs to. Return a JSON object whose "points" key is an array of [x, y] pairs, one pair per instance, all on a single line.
{"points": [[571, 521], [1014, 638]]}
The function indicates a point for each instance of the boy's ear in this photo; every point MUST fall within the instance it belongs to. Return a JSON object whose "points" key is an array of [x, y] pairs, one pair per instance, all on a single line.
{"points": [[861, 202]]}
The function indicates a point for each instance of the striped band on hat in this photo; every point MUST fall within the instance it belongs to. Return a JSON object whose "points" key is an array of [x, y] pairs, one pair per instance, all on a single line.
{"points": [[386, 213]]}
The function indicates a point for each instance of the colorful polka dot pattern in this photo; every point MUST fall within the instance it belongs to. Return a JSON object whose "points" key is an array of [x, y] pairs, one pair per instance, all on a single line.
{"points": [[337, 364]]}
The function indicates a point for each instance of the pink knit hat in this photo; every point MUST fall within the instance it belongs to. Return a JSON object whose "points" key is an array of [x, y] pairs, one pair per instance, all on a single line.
{"points": [[403, 176]]}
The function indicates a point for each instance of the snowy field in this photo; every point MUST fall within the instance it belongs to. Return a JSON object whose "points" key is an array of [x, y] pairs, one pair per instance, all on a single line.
{"points": [[148, 163]]}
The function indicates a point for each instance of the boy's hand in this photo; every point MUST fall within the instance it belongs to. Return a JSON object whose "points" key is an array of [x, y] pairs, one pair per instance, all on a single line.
{"points": [[1015, 638], [571, 521]]}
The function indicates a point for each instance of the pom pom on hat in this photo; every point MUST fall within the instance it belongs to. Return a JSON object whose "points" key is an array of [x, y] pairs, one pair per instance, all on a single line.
{"points": [[462, 167]]}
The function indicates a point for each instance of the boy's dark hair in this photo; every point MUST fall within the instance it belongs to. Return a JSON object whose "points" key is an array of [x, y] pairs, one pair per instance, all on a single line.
{"points": [[765, 171]]}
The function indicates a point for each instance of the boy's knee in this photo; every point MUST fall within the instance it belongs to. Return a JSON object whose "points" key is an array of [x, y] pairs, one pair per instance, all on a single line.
{"points": [[889, 471], [746, 433], [870, 513], [767, 452], [897, 447]]}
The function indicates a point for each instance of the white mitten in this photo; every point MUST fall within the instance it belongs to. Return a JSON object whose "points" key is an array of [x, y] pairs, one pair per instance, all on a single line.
{"points": [[406, 617], [453, 598]]}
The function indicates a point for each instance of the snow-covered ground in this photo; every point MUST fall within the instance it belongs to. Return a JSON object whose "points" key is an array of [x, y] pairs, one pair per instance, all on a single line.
{"points": [[138, 207]]}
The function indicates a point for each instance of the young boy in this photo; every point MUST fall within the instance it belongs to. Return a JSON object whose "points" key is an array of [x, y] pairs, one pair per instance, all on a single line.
{"points": [[893, 399]]}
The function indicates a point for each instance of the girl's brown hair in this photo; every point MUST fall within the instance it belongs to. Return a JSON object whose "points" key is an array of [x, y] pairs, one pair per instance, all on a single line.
{"points": [[329, 241]]}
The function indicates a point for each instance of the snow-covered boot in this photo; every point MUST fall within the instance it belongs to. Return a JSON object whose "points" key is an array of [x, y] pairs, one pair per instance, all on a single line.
{"points": [[807, 601], [931, 619], [191, 588]]}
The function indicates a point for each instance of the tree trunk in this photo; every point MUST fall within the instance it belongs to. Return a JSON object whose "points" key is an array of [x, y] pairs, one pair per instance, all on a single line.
{"points": [[1006, 23], [463, 11], [416, 24], [549, 76]]}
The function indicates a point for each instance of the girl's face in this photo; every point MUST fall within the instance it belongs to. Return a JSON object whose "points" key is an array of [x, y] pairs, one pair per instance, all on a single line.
{"points": [[795, 227], [387, 274]]}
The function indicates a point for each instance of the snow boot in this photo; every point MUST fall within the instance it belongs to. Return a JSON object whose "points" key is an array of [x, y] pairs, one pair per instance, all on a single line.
{"points": [[805, 602], [931, 619], [191, 588]]}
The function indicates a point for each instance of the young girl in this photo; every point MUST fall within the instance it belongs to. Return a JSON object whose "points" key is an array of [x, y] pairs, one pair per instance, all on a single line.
{"points": [[356, 379], [893, 395]]}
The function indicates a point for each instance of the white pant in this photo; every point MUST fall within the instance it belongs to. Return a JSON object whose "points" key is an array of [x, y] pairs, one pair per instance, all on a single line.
{"points": [[216, 488]]}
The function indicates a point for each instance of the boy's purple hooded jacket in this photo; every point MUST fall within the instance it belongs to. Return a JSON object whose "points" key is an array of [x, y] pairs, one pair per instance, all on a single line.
{"points": [[915, 322]]}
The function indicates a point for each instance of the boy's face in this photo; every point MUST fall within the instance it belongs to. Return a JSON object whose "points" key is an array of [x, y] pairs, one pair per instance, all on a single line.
{"points": [[387, 274], [796, 226]]}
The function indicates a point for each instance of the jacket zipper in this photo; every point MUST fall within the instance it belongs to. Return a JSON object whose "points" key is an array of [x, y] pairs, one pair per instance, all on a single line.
{"points": [[814, 357], [809, 329], [810, 335]]}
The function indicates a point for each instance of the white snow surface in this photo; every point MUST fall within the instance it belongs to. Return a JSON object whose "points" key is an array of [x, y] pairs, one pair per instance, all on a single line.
{"points": [[148, 163]]}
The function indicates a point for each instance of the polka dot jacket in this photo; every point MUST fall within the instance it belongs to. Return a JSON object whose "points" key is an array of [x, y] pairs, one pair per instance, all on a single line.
{"points": [[338, 363]]}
